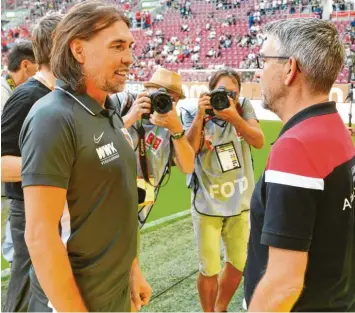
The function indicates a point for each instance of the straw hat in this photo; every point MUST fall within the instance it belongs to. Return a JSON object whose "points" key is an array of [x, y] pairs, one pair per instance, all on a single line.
{"points": [[163, 78]]}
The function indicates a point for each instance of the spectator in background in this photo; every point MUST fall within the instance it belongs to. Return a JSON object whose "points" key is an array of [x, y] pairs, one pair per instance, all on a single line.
{"points": [[159, 17], [185, 28], [211, 53], [196, 48], [251, 19], [195, 58], [21, 65], [138, 19], [262, 7], [14, 114], [228, 42], [148, 19], [212, 34]]}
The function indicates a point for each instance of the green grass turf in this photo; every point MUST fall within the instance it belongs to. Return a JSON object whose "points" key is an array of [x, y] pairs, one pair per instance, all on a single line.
{"points": [[168, 255]]}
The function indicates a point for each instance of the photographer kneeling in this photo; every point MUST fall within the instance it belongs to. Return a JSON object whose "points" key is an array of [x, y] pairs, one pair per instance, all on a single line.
{"points": [[221, 131], [157, 133]]}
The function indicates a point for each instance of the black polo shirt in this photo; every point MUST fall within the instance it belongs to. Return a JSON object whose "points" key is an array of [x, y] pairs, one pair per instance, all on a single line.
{"points": [[304, 201], [13, 116], [74, 143]]}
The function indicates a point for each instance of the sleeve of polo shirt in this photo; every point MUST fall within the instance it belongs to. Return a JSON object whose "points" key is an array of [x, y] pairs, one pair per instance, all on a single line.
{"points": [[13, 116], [47, 143], [293, 189], [187, 117], [248, 110]]}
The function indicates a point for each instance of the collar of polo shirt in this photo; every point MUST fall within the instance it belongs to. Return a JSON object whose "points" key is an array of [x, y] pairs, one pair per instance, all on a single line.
{"points": [[313, 110], [89, 103]]}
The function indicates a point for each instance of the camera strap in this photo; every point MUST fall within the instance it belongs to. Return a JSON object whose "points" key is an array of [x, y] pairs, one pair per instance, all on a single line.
{"points": [[202, 139], [142, 153]]}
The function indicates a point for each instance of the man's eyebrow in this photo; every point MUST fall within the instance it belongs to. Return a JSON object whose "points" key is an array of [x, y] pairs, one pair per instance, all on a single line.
{"points": [[120, 41]]}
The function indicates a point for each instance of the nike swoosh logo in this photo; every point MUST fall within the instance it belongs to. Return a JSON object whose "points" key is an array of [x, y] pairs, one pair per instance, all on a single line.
{"points": [[97, 140]]}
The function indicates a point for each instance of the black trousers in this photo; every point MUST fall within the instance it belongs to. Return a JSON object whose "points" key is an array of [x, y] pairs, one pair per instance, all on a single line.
{"points": [[18, 292]]}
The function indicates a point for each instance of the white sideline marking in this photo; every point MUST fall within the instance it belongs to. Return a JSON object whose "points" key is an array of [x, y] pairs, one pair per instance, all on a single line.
{"points": [[6, 272], [166, 219]]}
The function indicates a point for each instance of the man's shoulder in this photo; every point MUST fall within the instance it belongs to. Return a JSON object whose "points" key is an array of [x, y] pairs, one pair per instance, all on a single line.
{"points": [[29, 92], [54, 103], [23, 98], [189, 108]]}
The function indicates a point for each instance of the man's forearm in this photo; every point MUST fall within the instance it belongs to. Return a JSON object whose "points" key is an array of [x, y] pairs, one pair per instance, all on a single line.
{"points": [[253, 135], [272, 296], [11, 168], [185, 155], [194, 133], [50, 260], [129, 120]]}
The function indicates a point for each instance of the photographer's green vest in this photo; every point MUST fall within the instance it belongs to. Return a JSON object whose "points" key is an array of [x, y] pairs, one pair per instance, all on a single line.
{"points": [[158, 152], [223, 180]]}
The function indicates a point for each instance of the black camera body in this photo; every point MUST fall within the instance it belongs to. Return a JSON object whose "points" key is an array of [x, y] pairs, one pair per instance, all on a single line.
{"points": [[219, 99], [161, 102]]}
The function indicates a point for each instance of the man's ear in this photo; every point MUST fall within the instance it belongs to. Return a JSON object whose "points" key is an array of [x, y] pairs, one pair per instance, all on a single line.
{"points": [[290, 71], [77, 49], [24, 65]]}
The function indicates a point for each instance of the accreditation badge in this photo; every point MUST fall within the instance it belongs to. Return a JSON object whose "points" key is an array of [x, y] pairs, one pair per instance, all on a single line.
{"points": [[227, 157]]}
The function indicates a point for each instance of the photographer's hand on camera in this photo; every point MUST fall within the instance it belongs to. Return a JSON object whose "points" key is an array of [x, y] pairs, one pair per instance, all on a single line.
{"points": [[229, 114], [203, 105], [142, 105], [169, 120]]}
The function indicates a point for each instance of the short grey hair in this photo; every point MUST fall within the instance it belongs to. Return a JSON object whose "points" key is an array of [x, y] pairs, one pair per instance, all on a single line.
{"points": [[316, 46]]}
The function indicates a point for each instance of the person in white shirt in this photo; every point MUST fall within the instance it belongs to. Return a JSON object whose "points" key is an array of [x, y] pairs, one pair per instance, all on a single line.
{"points": [[212, 34], [195, 57]]}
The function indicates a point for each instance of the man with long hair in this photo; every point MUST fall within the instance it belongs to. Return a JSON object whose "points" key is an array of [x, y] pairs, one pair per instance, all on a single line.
{"points": [[75, 150]]}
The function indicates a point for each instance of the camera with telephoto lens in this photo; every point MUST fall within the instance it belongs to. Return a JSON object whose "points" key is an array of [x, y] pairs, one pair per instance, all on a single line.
{"points": [[161, 102], [219, 99]]}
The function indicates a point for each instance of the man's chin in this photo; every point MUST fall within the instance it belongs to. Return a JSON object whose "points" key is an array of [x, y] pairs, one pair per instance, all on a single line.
{"points": [[264, 104], [115, 88]]}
